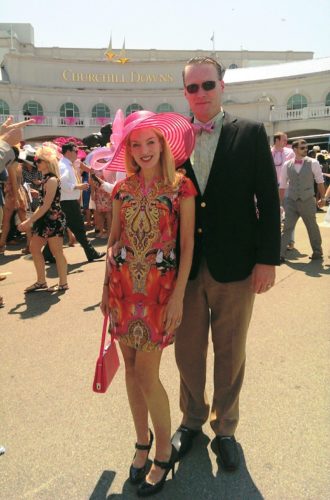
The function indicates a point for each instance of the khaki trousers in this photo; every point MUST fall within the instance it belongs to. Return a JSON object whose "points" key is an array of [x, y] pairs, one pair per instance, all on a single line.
{"points": [[227, 309], [307, 211]]}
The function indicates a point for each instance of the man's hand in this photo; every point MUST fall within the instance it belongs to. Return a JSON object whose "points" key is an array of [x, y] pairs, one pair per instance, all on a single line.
{"points": [[12, 133], [34, 193], [84, 168], [83, 187], [263, 278]]}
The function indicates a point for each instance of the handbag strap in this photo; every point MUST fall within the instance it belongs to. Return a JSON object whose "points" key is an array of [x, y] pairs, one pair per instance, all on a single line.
{"points": [[104, 331]]}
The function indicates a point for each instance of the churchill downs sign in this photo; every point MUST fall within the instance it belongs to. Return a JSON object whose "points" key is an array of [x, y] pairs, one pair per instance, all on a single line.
{"points": [[130, 77]]}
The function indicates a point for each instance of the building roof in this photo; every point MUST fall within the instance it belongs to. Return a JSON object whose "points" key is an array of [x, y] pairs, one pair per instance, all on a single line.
{"points": [[276, 71]]}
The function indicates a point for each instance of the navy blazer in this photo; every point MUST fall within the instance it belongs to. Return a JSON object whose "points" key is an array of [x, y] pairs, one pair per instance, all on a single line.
{"points": [[238, 216]]}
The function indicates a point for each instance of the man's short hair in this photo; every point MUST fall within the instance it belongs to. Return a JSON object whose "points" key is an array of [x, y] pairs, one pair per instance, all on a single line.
{"points": [[278, 135], [298, 143], [205, 60], [69, 146]]}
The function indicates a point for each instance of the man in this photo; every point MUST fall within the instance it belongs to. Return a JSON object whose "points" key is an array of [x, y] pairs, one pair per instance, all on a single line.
{"points": [[236, 250], [280, 152], [71, 188], [300, 173]]}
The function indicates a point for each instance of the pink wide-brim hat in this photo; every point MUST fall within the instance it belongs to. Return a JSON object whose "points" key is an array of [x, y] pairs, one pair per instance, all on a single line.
{"points": [[177, 130]]}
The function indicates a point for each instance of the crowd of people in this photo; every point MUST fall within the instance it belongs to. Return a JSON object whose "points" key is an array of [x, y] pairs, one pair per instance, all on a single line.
{"points": [[182, 260], [41, 202]]}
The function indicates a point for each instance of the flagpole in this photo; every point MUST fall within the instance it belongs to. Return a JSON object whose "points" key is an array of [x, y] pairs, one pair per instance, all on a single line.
{"points": [[213, 42], [11, 38]]}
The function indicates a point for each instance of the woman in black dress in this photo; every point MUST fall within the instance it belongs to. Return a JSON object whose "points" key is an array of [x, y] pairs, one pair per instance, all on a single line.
{"points": [[47, 222]]}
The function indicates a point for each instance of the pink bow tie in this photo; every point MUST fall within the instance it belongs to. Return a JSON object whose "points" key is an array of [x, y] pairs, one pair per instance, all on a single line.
{"points": [[299, 162], [199, 128]]}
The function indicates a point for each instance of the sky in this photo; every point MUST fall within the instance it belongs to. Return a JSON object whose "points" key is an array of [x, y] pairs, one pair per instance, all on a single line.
{"points": [[176, 24]]}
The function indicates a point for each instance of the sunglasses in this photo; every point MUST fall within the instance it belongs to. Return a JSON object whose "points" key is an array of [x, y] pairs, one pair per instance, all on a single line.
{"points": [[39, 160], [193, 88], [303, 147]]}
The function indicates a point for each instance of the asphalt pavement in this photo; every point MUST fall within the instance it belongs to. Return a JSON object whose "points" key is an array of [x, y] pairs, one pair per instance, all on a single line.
{"points": [[62, 441]]}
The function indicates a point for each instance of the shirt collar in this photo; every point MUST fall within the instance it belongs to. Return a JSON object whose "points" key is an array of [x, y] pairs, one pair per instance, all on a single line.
{"points": [[216, 120]]}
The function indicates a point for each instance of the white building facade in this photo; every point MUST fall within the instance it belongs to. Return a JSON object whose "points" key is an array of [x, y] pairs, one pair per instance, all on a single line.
{"points": [[73, 92]]}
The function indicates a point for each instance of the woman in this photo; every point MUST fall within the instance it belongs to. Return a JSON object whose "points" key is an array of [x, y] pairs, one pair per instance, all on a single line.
{"points": [[143, 288], [103, 206], [15, 200], [47, 222]]}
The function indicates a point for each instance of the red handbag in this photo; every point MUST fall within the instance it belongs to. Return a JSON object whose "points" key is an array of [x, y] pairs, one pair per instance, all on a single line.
{"points": [[107, 363]]}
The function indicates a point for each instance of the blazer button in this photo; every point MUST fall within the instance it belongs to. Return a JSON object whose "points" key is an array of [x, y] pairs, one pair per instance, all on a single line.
{"points": [[199, 230], [203, 204]]}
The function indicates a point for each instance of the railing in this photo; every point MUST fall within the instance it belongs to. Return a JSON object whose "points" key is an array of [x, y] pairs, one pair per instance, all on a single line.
{"points": [[52, 120], [61, 121], [276, 114], [283, 114]]}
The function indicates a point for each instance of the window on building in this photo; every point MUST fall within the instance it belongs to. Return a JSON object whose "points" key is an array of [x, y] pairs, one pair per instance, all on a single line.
{"points": [[297, 101], [100, 110], [4, 108], [133, 107], [164, 108], [233, 66], [33, 108], [69, 109], [327, 99]]}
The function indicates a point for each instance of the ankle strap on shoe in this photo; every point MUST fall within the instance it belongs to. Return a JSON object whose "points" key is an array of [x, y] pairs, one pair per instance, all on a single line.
{"points": [[163, 465], [145, 447]]}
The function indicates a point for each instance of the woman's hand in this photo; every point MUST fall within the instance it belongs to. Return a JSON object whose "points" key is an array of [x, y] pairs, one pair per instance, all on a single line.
{"points": [[25, 226], [113, 252], [105, 300], [173, 313]]}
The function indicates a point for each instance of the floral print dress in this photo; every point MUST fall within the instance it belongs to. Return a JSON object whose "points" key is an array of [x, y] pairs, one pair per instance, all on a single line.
{"points": [[142, 281], [53, 222]]}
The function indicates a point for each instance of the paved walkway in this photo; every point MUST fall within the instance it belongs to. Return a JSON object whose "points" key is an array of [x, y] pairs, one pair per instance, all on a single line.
{"points": [[63, 441]]}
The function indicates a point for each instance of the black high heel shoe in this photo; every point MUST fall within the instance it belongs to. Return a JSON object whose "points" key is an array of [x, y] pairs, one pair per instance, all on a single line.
{"points": [[137, 474], [146, 489]]}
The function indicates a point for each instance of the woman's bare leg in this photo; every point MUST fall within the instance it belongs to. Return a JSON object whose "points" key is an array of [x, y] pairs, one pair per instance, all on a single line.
{"points": [[147, 375], [56, 247], [137, 404], [36, 245], [7, 213]]}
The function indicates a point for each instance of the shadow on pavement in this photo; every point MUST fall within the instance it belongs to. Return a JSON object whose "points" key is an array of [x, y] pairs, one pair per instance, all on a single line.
{"points": [[36, 303], [4, 259], [51, 270], [92, 307], [194, 479], [102, 487], [314, 268]]}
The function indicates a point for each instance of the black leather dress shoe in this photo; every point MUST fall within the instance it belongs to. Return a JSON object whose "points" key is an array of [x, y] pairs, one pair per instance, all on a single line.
{"points": [[96, 256], [182, 440], [228, 452]]}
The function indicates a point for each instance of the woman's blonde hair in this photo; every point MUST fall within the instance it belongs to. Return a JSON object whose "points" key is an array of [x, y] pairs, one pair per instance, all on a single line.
{"points": [[167, 162], [49, 155]]}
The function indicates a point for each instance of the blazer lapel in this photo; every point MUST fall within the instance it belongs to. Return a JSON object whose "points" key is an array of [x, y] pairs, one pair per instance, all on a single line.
{"points": [[188, 170]]}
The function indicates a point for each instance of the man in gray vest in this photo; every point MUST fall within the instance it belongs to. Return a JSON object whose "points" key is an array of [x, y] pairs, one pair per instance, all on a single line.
{"points": [[298, 177]]}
